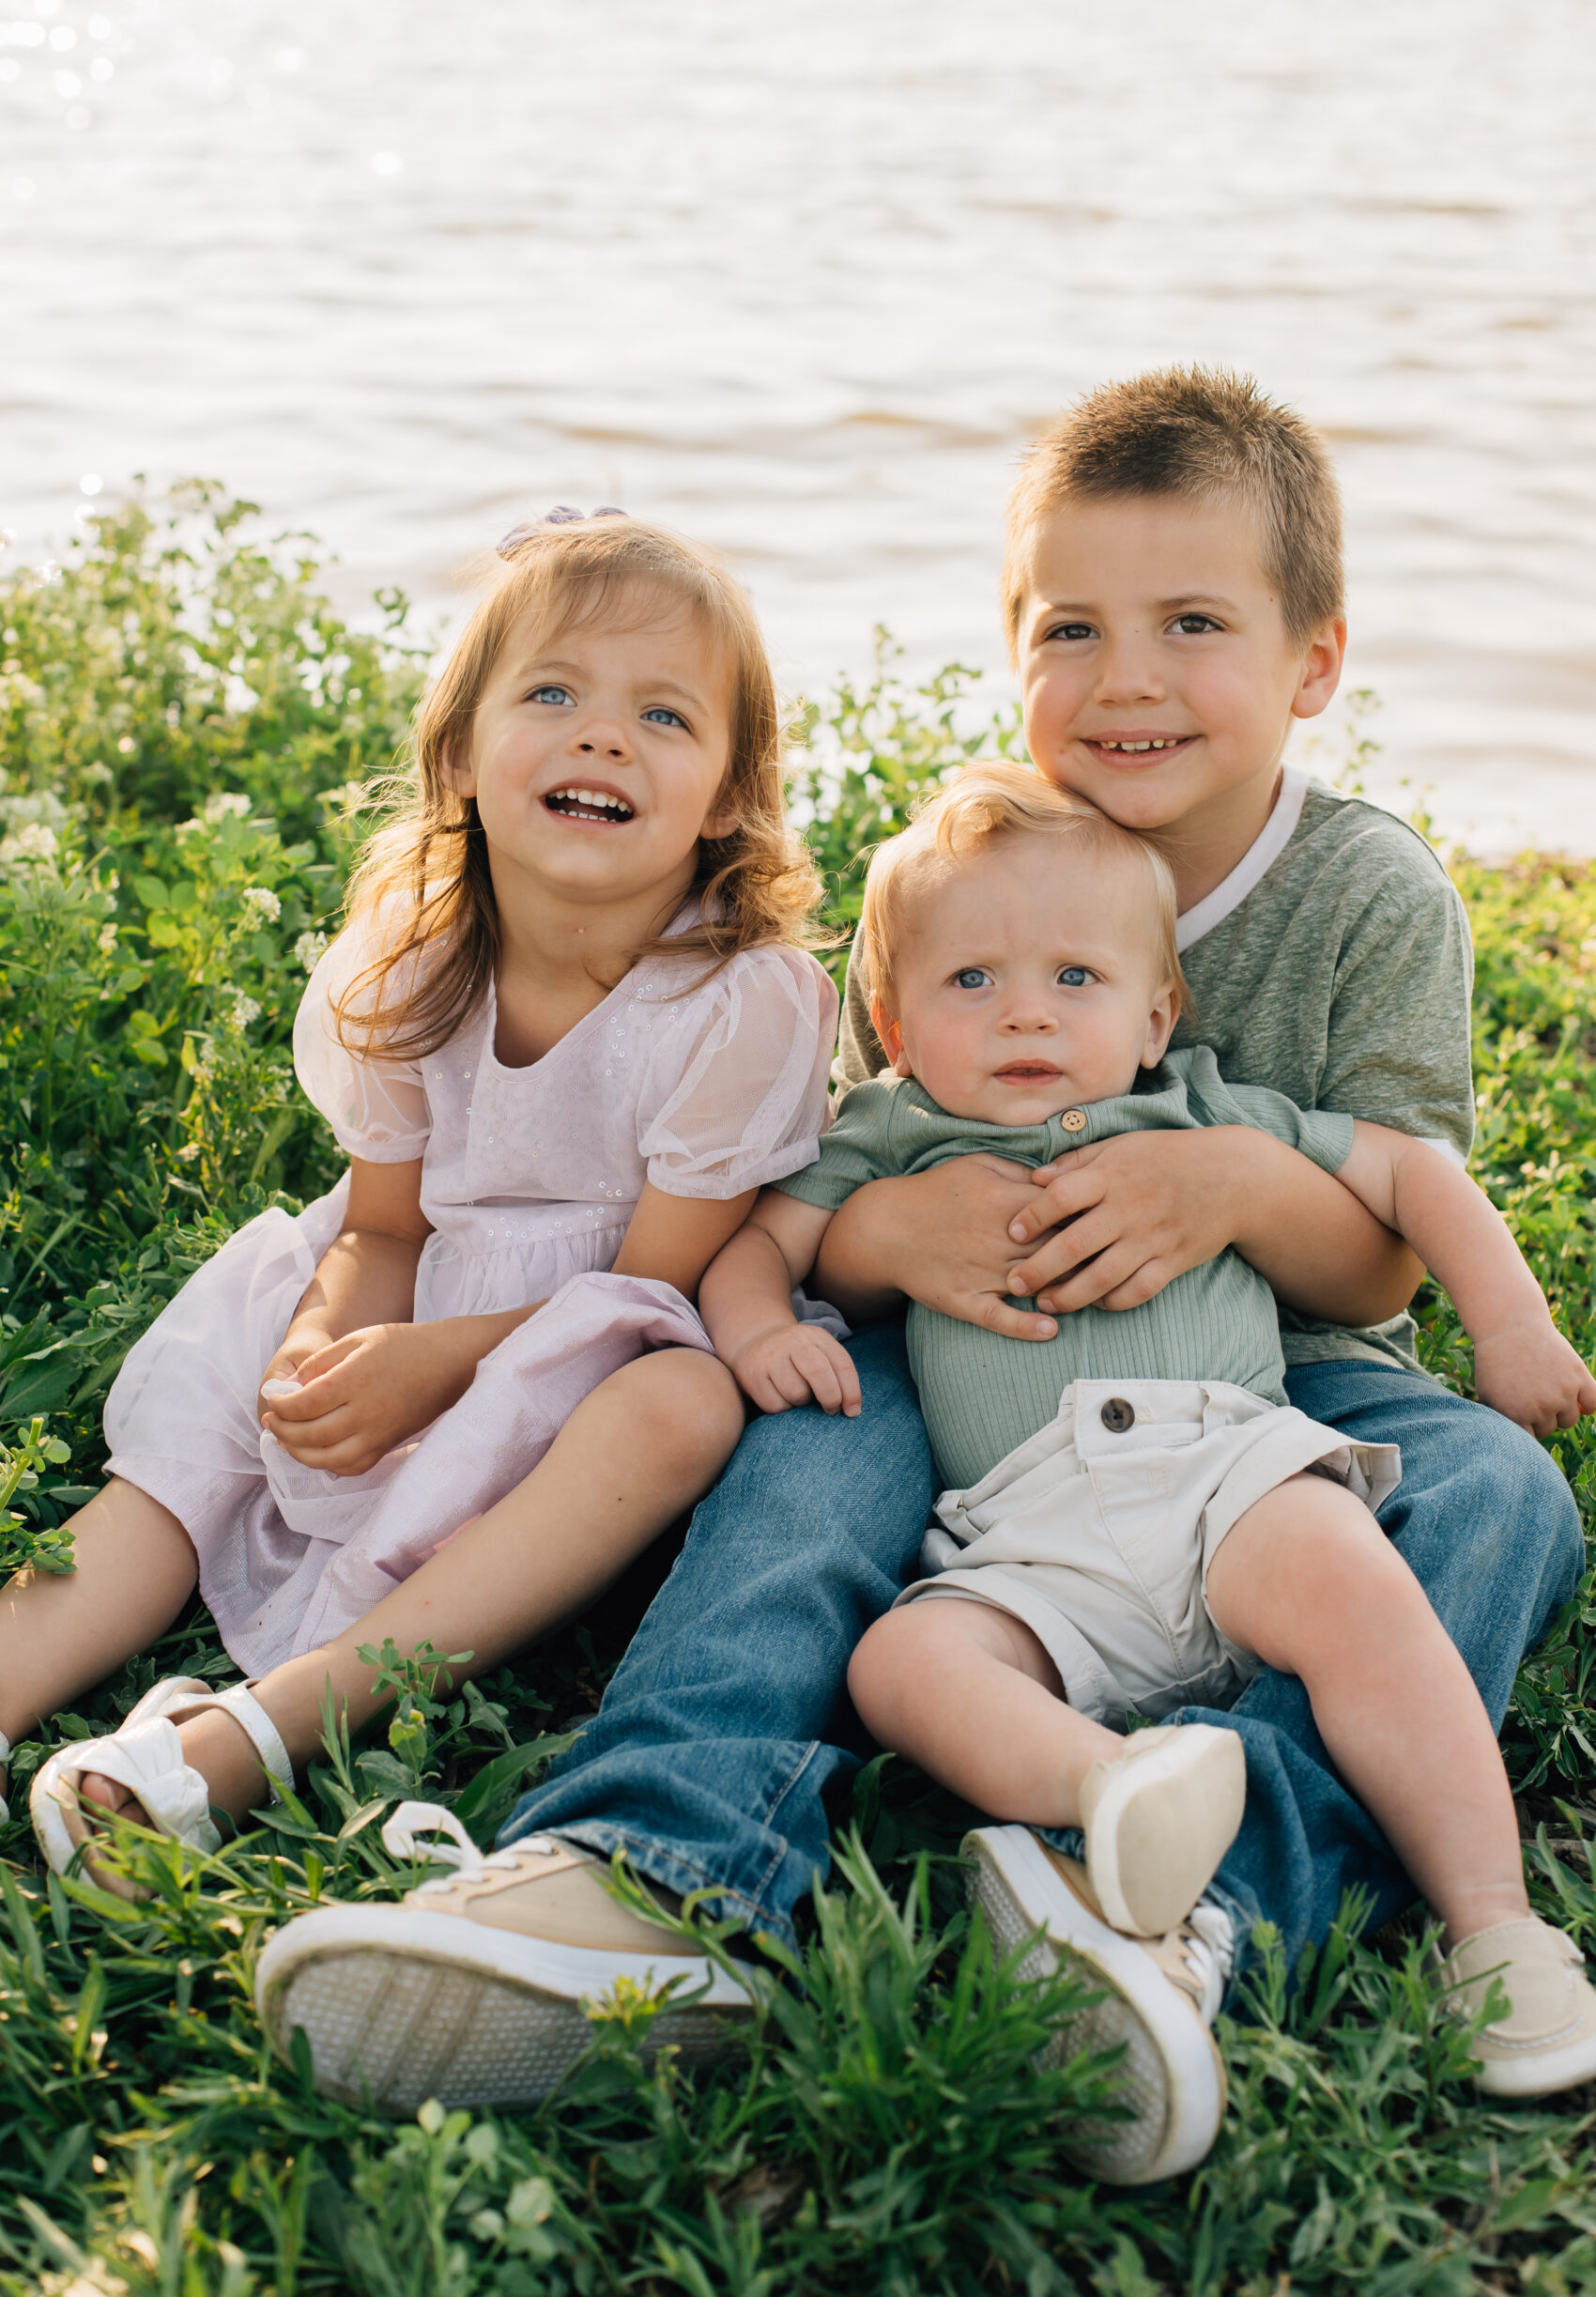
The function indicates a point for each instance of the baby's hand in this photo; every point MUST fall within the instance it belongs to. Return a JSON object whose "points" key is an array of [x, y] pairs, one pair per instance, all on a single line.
{"points": [[1529, 1373], [798, 1364]]}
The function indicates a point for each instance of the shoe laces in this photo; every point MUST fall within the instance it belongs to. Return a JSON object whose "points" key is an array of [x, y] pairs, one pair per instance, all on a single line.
{"points": [[1207, 1947], [413, 1833]]}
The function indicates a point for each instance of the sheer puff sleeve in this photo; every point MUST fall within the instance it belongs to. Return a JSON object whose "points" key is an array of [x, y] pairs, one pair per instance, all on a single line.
{"points": [[736, 1091], [377, 1108]]}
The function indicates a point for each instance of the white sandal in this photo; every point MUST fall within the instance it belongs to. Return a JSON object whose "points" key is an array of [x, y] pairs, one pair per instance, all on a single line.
{"points": [[145, 1755]]}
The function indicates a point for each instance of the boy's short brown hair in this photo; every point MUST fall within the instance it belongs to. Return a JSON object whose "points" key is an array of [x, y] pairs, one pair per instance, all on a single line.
{"points": [[981, 803], [1194, 433]]}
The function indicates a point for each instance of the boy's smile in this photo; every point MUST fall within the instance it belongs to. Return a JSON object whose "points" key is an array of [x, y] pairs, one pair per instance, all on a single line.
{"points": [[1159, 676]]}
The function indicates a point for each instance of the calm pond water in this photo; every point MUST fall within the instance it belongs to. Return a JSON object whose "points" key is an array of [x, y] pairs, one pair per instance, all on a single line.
{"points": [[803, 280]]}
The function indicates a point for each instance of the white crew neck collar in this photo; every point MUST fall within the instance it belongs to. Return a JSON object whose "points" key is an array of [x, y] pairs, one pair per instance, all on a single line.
{"points": [[1264, 850]]}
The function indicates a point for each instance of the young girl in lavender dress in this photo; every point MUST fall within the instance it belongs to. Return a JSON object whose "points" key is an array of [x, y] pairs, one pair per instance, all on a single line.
{"points": [[567, 1034]]}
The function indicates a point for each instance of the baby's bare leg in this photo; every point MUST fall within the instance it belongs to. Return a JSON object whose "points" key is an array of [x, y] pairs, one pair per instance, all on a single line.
{"points": [[62, 1632], [644, 1447], [969, 1693], [1309, 1581]]}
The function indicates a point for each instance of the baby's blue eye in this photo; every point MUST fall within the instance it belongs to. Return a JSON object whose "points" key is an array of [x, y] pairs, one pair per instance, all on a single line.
{"points": [[556, 694], [972, 976], [661, 716], [1073, 977]]}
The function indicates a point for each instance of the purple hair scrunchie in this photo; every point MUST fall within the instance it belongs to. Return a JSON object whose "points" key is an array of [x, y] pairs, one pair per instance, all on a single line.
{"points": [[562, 514]]}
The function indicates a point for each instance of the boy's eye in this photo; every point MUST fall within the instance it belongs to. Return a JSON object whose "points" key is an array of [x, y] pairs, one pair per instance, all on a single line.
{"points": [[1074, 630], [660, 715], [1192, 626], [972, 976], [1073, 977], [556, 694]]}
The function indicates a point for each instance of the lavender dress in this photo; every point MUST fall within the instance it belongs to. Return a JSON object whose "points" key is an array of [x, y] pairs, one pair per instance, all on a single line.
{"points": [[530, 1178]]}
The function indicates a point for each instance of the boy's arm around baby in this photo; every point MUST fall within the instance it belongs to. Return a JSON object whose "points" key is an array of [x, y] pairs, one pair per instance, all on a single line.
{"points": [[1523, 1367]]}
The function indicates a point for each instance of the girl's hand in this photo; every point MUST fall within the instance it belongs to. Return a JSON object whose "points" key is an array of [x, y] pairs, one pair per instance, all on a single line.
{"points": [[373, 1389], [797, 1364], [302, 1341], [1528, 1373]]}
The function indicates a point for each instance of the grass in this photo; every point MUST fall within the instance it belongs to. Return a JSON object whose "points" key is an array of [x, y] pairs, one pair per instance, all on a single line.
{"points": [[188, 734]]}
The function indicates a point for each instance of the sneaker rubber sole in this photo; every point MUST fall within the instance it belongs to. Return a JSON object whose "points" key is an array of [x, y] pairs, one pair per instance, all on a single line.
{"points": [[1162, 1825], [399, 2005], [1170, 2074]]}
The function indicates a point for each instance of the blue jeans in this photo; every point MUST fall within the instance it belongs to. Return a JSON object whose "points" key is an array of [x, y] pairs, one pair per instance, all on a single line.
{"points": [[716, 1741]]}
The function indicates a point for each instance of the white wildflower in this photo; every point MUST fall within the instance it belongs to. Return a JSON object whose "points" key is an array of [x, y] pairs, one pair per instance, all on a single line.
{"points": [[264, 902], [187, 1152], [223, 802], [107, 939], [309, 951], [348, 797], [238, 1009], [187, 830], [34, 841], [94, 774]]}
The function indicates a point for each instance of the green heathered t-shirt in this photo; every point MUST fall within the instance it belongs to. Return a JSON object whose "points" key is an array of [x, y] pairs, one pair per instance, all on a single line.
{"points": [[1334, 966], [983, 1394]]}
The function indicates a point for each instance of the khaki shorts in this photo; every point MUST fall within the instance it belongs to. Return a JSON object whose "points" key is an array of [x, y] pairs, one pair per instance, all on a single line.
{"points": [[1099, 1531]]}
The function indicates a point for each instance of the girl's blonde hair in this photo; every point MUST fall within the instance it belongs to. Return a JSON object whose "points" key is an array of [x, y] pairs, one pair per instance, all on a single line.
{"points": [[427, 868], [984, 801]]}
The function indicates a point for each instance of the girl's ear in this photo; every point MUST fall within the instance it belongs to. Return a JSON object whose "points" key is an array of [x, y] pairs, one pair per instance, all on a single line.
{"points": [[1161, 1025], [458, 770], [723, 816], [891, 1036]]}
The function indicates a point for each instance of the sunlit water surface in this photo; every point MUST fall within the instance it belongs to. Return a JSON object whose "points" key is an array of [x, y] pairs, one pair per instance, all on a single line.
{"points": [[802, 280]]}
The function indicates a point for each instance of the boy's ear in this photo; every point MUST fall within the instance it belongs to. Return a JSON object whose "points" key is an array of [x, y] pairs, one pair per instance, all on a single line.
{"points": [[886, 1028], [1321, 668], [1161, 1025]]}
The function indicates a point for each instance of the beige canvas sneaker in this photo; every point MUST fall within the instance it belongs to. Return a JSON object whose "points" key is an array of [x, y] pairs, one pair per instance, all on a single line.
{"points": [[1158, 1819], [1157, 2002], [1547, 2039], [473, 1988]]}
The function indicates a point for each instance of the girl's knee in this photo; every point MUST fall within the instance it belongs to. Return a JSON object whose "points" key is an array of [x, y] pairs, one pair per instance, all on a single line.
{"points": [[681, 1398]]}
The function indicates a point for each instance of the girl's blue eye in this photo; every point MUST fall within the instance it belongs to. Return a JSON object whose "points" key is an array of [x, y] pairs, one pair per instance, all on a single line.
{"points": [[972, 976], [661, 716], [550, 693], [1073, 977]]}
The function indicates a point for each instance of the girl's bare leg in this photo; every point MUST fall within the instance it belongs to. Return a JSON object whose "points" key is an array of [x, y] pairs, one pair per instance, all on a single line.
{"points": [[59, 1634], [969, 1693], [1308, 1581], [638, 1451]]}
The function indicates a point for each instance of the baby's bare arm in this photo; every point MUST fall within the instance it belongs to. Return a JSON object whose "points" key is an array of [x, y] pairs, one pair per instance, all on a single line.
{"points": [[1524, 1367], [747, 1303]]}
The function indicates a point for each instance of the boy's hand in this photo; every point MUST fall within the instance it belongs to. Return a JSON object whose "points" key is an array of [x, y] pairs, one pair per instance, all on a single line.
{"points": [[362, 1395], [1528, 1373], [1139, 1211], [797, 1364]]}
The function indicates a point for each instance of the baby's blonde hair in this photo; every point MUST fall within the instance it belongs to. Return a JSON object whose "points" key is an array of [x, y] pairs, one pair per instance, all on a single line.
{"points": [[982, 802], [427, 868]]}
